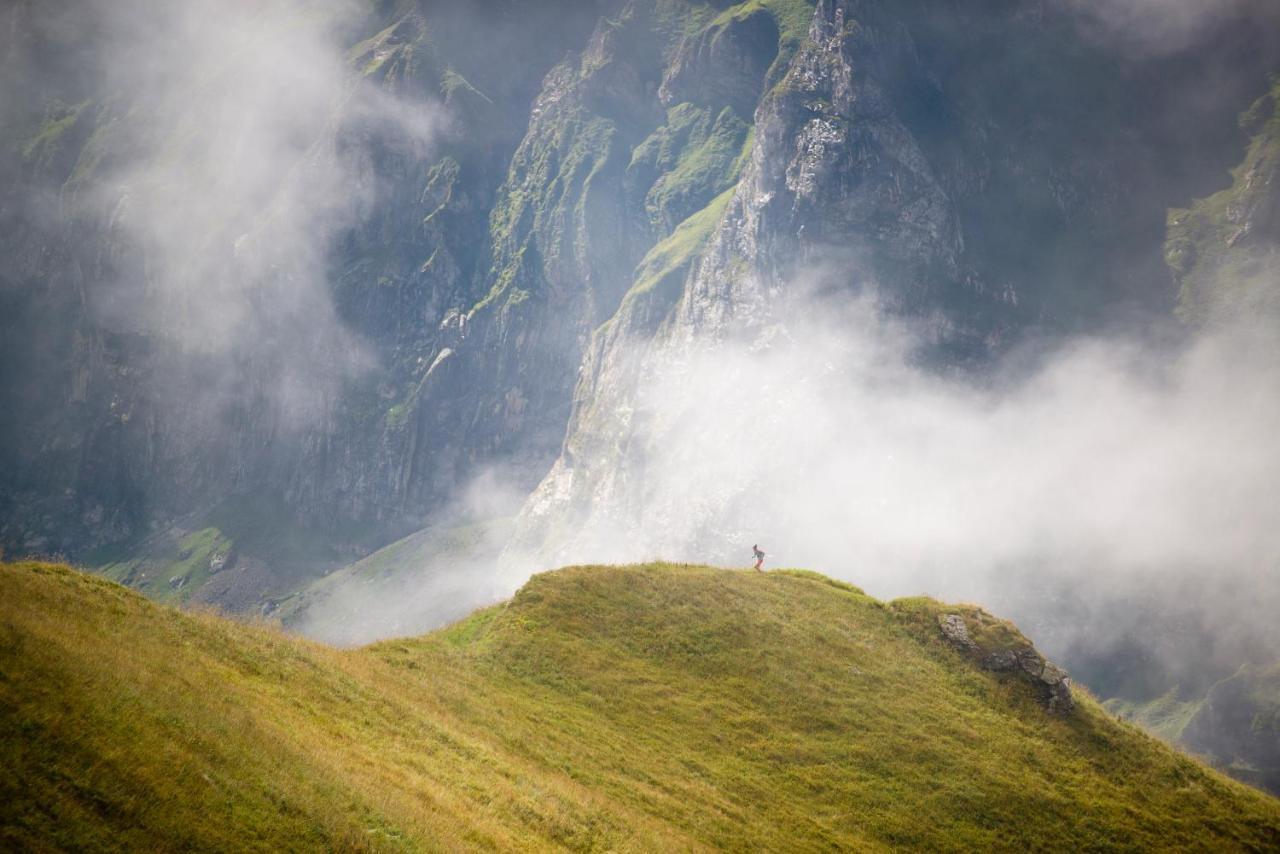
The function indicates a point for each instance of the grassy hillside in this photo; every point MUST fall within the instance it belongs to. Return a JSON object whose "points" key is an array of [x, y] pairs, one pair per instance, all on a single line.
{"points": [[653, 707], [1165, 717], [243, 554], [417, 582]]}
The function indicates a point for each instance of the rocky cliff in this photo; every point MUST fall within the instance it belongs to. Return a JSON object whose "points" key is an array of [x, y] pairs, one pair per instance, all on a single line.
{"points": [[980, 174], [1223, 248], [120, 423], [513, 214]]}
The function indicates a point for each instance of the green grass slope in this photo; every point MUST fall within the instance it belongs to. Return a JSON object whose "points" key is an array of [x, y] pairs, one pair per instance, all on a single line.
{"points": [[653, 707], [416, 572], [1165, 717], [243, 554]]}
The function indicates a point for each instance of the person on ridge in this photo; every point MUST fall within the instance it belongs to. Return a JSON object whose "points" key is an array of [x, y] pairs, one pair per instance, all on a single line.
{"points": [[755, 550]]}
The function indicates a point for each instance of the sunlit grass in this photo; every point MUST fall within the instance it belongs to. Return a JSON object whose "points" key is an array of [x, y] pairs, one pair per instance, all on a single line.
{"points": [[655, 707]]}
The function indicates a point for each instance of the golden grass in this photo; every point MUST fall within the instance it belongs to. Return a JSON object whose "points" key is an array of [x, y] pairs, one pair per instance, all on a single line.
{"points": [[646, 708]]}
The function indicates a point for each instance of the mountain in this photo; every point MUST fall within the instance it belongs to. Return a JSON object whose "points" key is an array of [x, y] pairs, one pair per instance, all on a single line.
{"points": [[281, 283], [655, 706], [256, 297], [1223, 248], [1235, 724], [313, 271], [870, 174]]}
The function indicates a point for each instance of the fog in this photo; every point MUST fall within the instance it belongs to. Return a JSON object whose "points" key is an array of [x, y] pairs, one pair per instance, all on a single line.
{"points": [[1166, 26], [1094, 490], [238, 148], [1095, 471], [235, 147], [825, 439], [429, 578]]}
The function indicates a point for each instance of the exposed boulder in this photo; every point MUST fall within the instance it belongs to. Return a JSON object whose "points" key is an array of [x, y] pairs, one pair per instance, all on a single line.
{"points": [[1006, 651], [221, 560], [954, 630]]}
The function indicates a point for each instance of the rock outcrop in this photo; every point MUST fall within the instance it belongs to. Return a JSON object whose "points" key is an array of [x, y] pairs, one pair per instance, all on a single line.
{"points": [[1014, 655]]}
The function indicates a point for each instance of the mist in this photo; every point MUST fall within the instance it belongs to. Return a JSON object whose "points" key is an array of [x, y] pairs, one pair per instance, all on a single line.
{"points": [[236, 142], [430, 578], [1082, 488], [1158, 27], [1094, 471]]}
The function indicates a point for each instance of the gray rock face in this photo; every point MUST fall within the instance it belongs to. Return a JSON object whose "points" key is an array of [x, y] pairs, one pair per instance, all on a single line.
{"points": [[1051, 682], [119, 426], [956, 632], [881, 154], [593, 217], [835, 172]]}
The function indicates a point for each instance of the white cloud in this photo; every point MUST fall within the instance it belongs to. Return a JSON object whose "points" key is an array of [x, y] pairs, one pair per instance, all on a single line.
{"points": [[1108, 468], [240, 149]]}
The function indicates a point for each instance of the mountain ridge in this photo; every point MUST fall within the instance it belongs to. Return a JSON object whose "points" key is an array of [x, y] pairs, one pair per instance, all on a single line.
{"points": [[647, 706], [476, 270]]}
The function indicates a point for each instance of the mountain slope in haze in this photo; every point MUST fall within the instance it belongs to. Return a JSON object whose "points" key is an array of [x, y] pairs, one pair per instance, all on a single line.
{"points": [[990, 167], [1224, 249], [982, 170], [427, 579], [1235, 724], [1238, 726], [655, 707]]}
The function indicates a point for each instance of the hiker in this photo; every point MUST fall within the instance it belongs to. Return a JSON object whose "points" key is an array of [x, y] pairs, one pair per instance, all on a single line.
{"points": [[755, 550]]}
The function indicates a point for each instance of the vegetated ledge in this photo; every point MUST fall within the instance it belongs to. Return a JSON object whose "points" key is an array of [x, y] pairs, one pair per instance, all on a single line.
{"points": [[653, 707], [996, 645]]}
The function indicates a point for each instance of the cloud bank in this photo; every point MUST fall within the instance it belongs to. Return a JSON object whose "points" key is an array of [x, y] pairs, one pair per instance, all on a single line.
{"points": [[1096, 490], [240, 143], [1092, 490]]}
